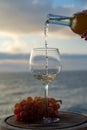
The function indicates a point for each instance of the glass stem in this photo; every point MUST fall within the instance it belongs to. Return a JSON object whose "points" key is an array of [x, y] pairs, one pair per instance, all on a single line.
{"points": [[46, 91], [46, 101]]}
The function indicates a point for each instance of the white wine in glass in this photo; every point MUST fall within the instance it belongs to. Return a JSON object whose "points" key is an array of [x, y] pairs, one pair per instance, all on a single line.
{"points": [[45, 66]]}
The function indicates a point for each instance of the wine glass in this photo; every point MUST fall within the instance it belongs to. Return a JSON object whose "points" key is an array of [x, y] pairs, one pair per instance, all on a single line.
{"points": [[45, 66]]}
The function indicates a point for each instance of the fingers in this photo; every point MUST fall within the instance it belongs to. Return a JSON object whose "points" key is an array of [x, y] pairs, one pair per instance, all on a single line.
{"points": [[86, 38], [84, 35], [85, 11]]}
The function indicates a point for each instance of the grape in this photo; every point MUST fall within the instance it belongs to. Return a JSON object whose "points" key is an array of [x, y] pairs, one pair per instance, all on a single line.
{"points": [[23, 102], [29, 99], [35, 109]]}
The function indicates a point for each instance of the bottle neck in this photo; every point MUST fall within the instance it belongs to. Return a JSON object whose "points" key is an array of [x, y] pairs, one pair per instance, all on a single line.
{"points": [[57, 19]]}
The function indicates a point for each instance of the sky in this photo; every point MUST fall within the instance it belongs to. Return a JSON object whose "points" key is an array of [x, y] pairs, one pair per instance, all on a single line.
{"points": [[22, 28]]}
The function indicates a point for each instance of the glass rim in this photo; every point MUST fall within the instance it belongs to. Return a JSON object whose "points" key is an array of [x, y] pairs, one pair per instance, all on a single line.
{"points": [[48, 48]]}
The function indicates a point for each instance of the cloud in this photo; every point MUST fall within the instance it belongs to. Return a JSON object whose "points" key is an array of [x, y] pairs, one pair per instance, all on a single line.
{"points": [[20, 62], [74, 62], [73, 56], [13, 44], [11, 56], [22, 56], [82, 4], [60, 33], [83, 1], [25, 16], [21, 16], [10, 62]]}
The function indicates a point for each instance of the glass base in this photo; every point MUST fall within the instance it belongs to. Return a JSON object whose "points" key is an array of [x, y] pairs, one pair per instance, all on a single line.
{"points": [[47, 120]]}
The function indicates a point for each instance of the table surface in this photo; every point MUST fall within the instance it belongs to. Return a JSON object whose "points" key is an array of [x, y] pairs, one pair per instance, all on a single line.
{"points": [[68, 121]]}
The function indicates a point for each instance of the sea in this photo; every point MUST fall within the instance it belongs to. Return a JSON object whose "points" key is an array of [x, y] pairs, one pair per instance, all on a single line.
{"points": [[69, 86]]}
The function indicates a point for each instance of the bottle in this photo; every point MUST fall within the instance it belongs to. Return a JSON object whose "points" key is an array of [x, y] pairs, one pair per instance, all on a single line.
{"points": [[77, 23]]}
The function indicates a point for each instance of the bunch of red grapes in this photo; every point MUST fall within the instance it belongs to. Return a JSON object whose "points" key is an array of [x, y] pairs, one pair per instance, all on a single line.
{"points": [[35, 109]]}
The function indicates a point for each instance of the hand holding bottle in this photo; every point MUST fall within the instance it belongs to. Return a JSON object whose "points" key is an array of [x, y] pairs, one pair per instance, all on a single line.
{"points": [[77, 22]]}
